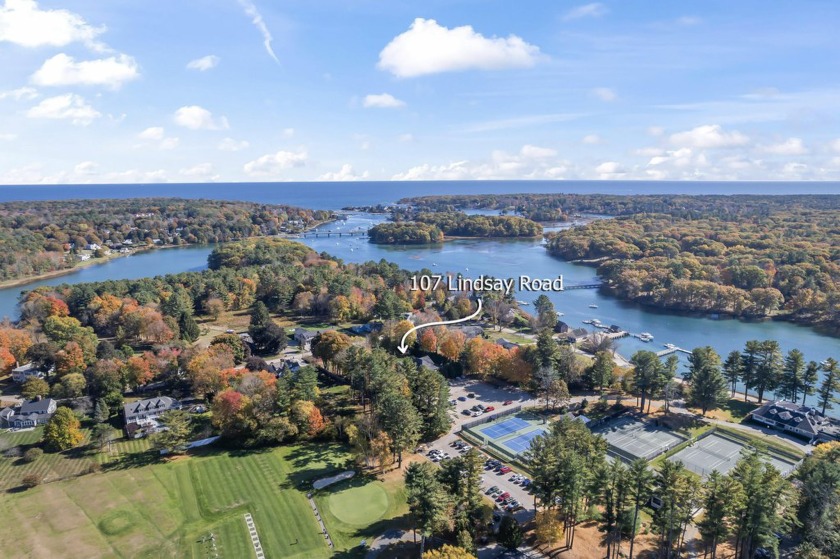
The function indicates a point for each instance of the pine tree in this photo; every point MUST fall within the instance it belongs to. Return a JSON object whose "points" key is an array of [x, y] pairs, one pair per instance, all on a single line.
{"points": [[428, 501], [809, 381], [792, 375], [510, 533], [640, 479], [830, 385], [732, 369], [720, 497], [708, 388], [749, 365], [101, 412]]}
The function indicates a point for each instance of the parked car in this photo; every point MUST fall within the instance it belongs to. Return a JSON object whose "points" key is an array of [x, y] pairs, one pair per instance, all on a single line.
{"points": [[476, 413], [466, 412], [503, 496], [471, 395], [480, 406], [488, 409], [508, 402], [505, 470], [492, 490], [462, 398]]}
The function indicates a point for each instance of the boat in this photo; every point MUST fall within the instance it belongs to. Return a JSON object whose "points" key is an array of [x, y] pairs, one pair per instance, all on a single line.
{"points": [[524, 303], [670, 346], [593, 306], [646, 337], [559, 314]]}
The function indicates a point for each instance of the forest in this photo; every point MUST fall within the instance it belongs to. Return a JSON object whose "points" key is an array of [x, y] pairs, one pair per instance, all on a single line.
{"points": [[558, 207], [46, 236], [786, 263], [411, 233]]}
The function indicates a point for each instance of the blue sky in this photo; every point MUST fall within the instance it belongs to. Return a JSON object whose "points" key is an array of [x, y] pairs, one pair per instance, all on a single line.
{"points": [[230, 90]]}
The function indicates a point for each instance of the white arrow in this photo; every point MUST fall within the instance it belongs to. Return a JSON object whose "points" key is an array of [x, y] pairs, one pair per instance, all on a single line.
{"points": [[403, 348]]}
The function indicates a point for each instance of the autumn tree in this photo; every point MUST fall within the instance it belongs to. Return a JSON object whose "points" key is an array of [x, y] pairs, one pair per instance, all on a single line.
{"points": [[62, 431], [328, 345], [34, 387]]}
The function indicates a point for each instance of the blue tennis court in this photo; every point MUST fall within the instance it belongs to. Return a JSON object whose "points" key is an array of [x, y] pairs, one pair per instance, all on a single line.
{"points": [[521, 443], [505, 428]]}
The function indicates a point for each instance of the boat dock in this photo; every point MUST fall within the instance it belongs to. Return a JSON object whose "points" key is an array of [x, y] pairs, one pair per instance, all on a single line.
{"points": [[671, 350]]}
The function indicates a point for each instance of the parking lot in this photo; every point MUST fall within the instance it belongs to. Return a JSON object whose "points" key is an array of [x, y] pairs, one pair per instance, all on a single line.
{"points": [[486, 395]]}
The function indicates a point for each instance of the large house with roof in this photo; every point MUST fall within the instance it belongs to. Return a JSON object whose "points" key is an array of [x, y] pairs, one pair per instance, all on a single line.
{"points": [[26, 372], [28, 414], [802, 421], [141, 417]]}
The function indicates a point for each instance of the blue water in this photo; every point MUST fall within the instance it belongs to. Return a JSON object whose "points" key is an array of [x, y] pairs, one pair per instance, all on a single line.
{"points": [[332, 195]]}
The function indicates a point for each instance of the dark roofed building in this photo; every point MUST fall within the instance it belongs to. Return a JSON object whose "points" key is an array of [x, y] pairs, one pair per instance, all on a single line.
{"points": [[803, 421], [304, 338], [471, 332], [28, 414], [426, 362], [507, 344], [561, 327], [141, 417], [578, 334]]}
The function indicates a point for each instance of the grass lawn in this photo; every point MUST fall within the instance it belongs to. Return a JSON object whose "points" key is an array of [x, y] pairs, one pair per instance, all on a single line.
{"points": [[170, 509], [733, 411]]}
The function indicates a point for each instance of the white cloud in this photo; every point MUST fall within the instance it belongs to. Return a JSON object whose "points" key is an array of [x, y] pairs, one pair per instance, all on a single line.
{"points": [[649, 151], [429, 48], [273, 163], [67, 107], [257, 19], [199, 118], [591, 139], [20, 94], [382, 101], [655, 131], [169, 143], [86, 168], [229, 144], [346, 173], [24, 24], [605, 94], [406, 138], [709, 136], [520, 122], [791, 146], [111, 72], [535, 152], [157, 134], [595, 9], [153, 133], [7, 137], [610, 170], [288, 132], [202, 172], [204, 63]]}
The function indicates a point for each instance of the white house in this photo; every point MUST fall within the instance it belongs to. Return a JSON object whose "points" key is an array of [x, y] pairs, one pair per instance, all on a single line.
{"points": [[24, 372], [28, 414]]}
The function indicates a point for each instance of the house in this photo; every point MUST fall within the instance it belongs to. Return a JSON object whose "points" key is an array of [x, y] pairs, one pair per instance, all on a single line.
{"points": [[304, 338], [247, 339], [365, 329], [561, 327], [802, 421], [28, 414], [141, 417], [426, 362], [84, 257], [94, 246], [507, 344], [471, 332], [577, 335], [24, 372]]}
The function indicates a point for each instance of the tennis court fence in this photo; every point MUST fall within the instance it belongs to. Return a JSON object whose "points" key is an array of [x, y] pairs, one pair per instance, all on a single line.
{"points": [[492, 417]]}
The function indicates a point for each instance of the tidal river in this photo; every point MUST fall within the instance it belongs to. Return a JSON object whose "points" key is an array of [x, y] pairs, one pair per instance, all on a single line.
{"points": [[501, 259]]}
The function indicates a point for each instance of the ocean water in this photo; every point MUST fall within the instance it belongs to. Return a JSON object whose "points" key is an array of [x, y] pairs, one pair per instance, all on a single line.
{"points": [[333, 195]]}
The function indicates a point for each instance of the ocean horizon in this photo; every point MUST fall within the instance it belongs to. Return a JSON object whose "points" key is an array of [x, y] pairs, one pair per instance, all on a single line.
{"points": [[335, 195]]}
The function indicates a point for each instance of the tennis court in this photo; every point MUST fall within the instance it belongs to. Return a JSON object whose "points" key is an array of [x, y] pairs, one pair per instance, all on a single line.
{"points": [[632, 438], [521, 443], [721, 453], [505, 428]]}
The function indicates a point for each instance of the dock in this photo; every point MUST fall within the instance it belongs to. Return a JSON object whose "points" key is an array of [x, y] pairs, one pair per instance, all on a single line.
{"points": [[316, 234], [671, 350], [592, 285]]}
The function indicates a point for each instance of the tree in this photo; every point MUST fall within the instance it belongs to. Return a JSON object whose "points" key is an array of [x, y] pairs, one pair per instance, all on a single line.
{"points": [[448, 552], [720, 497], [428, 502], [32, 455], [707, 388], [42, 356], [269, 338], [401, 421], [101, 433], [819, 504], [63, 431], [678, 492], [549, 528], [732, 369], [827, 393], [600, 373], [640, 480], [510, 533], [237, 347], [34, 387], [327, 346], [647, 372], [71, 386], [810, 379], [176, 433], [793, 372], [307, 418], [214, 307], [101, 412], [305, 384], [546, 314]]}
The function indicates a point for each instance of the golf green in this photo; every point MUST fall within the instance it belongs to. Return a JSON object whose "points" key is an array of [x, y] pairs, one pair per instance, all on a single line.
{"points": [[359, 505]]}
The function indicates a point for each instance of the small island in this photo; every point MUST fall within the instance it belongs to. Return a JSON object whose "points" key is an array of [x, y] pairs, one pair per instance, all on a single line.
{"points": [[435, 227]]}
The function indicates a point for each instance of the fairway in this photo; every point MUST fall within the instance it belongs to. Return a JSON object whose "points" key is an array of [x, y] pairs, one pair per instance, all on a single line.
{"points": [[359, 506], [195, 506]]}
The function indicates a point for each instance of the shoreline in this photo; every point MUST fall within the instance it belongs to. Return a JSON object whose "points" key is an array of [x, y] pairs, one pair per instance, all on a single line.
{"points": [[20, 282]]}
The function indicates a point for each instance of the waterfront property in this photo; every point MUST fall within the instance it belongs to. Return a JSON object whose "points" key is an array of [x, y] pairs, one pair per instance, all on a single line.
{"points": [[802, 421], [28, 414], [141, 417], [630, 438]]}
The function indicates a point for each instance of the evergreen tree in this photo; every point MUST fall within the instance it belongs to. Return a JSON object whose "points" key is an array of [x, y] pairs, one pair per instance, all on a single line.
{"points": [[791, 382], [600, 373], [401, 421], [819, 505], [827, 394], [546, 315], [640, 480], [749, 364], [732, 369], [178, 428], [648, 371], [428, 500], [189, 328], [510, 533], [708, 388], [720, 497], [769, 368], [810, 379], [101, 412]]}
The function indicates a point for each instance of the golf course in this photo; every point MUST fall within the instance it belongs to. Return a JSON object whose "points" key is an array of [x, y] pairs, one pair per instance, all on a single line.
{"points": [[194, 507]]}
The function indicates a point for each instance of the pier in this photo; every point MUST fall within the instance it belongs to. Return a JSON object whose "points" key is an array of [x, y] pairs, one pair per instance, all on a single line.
{"points": [[594, 285], [671, 350], [317, 234]]}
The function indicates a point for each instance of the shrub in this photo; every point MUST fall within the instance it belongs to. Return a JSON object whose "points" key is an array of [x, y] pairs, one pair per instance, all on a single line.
{"points": [[32, 454], [32, 480]]}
